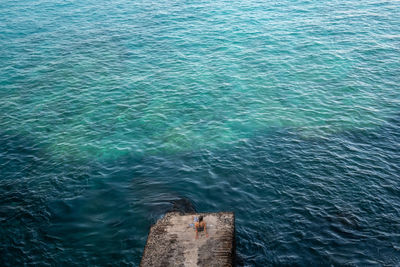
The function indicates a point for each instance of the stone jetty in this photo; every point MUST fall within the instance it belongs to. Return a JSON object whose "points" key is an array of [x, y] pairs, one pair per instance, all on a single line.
{"points": [[171, 241]]}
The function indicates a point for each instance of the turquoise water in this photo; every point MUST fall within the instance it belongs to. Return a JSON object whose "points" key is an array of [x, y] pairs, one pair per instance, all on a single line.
{"points": [[286, 112]]}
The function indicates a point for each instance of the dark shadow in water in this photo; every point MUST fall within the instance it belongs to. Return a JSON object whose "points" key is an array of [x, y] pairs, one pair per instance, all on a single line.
{"points": [[182, 205]]}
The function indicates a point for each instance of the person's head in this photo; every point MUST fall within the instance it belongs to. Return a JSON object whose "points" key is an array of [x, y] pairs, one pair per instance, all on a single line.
{"points": [[200, 218]]}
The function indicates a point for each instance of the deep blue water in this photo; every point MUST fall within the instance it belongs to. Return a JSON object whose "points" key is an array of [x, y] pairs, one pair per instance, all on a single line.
{"points": [[285, 112]]}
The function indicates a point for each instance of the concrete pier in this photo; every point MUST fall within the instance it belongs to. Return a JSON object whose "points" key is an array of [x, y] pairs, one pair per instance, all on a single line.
{"points": [[171, 241]]}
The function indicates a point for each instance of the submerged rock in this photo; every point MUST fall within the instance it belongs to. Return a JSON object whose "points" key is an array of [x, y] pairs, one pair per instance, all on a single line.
{"points": [[182, 206]]}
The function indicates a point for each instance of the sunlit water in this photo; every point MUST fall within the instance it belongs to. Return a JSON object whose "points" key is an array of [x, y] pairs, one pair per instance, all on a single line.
{"points": [[285, 112]]}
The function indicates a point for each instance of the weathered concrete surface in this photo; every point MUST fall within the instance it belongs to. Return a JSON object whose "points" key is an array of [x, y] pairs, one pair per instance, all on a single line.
{"points": [[171, 241]]}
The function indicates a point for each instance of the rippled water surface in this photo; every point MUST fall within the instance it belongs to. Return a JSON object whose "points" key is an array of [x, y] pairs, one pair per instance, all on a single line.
{"points": [[286, 112]]}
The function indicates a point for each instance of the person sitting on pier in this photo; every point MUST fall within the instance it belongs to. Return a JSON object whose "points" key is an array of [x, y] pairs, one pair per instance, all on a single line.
{"points": [[200, 226]]}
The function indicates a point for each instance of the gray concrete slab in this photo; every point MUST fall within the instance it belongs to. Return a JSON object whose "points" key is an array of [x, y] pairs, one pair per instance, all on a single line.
{"points": [[171, 241]]}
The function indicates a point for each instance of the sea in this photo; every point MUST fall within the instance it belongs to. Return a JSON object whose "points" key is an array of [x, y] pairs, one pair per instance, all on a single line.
{"points": [[284, 112]]}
